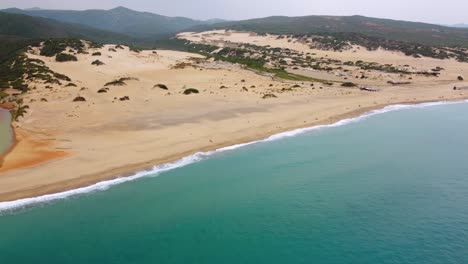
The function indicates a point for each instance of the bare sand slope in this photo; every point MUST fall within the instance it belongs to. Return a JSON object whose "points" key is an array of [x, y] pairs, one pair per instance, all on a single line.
{"points": [[64, 144]]}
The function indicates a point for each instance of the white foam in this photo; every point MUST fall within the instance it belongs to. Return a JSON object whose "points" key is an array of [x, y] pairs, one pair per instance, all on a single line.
{"points": [[104, 185]]}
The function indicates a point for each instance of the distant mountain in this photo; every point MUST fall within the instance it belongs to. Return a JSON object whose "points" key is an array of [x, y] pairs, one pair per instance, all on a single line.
{"points": [[422, 33], [18, 31], [145, 27], [215, 21], [460, 25], [120, 20], [28, 27]]}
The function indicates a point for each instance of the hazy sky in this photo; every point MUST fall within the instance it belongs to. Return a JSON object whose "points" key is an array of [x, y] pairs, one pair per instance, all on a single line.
{"points": [[440, 12]]}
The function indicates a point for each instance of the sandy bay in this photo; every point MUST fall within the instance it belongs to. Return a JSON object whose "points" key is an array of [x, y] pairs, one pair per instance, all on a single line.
{"points": [[62, 145]]}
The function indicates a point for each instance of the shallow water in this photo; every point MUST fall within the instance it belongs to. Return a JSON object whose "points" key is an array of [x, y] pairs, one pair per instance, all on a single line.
{"points": [[5, 130], [389, 189]]}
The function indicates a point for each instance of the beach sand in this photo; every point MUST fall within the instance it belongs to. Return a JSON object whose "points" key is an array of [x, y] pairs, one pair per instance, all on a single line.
{"points": [[61, 144]]}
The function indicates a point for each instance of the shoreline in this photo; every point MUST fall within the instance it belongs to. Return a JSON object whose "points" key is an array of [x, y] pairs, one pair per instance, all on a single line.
{"points": [[106, 179]]}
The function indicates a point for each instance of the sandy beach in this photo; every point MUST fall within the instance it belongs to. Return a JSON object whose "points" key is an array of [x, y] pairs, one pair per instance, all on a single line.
{"points": [[61, 144]]}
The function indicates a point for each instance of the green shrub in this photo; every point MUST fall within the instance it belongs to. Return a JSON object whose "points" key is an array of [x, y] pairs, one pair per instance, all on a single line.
{"points": [[63, 57], [162, 86], [16, 70], [20, 110], [191, 91], [121, 81], [116, 83], [268, 96], [348, 84], [3, 95], [134, 49], [97, 63], [79, 99], [95, 45], [97, 54], [53, 47], [61, 77]]}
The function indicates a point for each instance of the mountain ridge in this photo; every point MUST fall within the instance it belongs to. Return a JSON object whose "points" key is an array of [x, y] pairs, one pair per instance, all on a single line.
{"points": [[147, 26], [18, 31], [36, 27], [119, 19], [460, 25]]}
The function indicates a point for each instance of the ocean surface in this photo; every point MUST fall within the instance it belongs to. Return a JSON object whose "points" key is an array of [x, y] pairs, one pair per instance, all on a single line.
{"points": [[5, 130], [388, 188]]}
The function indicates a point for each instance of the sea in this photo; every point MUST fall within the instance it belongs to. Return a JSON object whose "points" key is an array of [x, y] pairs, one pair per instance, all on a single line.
{"points": [[389, 187]]}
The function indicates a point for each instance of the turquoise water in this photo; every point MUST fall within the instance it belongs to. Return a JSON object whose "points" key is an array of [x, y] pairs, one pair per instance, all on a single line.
{"points": [[5, 130], [389, 189]]}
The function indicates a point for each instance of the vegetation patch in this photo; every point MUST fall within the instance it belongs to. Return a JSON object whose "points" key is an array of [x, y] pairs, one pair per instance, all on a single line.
{"points": [[18, 70], [61, 76], [161, 86], [348, 84], [244, 55], [398, 82], [19, 111], [97, 63], [3, 95], [52, 47], [343, 41], [191, 91], [269, 96], [121, 81], [134, 49], [94, 45], [79, 99], [96, 54], [63, 57]]}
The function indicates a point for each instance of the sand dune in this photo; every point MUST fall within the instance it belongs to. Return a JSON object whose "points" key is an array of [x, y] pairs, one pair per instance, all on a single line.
{"points": [[81, 143]]}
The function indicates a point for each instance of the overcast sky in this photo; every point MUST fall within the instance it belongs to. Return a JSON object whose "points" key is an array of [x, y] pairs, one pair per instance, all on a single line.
{"points": [[439, 12]]}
